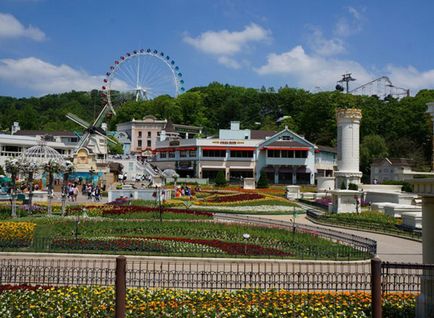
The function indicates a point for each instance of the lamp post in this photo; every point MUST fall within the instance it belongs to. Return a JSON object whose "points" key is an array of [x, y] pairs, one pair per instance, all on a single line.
{"points": [[13, 167], [246, 236], [67, 168], [51, 167], [91, 172]]}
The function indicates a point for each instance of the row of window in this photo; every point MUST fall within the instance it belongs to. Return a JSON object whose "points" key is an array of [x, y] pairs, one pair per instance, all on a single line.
{"points": [[149, 134], [286, 153], [238, 154], [140, 144]]}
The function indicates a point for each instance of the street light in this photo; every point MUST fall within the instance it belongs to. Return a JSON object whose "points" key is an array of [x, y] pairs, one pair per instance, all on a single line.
{"points": [[91, 172], [246, 236]]}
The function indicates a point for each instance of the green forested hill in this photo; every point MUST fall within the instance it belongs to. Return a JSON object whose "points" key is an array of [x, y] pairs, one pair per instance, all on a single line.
{"points": [[390, 127]]}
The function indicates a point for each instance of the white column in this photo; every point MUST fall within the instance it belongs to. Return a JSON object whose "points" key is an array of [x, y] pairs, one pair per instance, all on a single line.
{"points": [[425, 302], [348, 144]]}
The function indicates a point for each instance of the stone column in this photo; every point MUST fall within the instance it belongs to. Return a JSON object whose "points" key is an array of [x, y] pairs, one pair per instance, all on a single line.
{"points": [[348, 143], [425, 301]]}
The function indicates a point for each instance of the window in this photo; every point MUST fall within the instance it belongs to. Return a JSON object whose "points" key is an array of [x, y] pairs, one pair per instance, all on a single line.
{"points": [[149, 143], [171, 154], [163, 154], [140, 134], [139, 143], [273, 153], [183, 153], [158, 134], [287, 153], [192, 153], [241, 154], [300, 154], [286, 138], [149, 134], [214, 153]]}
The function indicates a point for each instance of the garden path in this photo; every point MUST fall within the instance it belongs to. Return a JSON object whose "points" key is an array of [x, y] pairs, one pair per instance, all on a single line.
{"points": [[389, 248]]}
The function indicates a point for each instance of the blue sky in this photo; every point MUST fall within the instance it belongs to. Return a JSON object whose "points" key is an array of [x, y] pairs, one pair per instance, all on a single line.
{"points": [[51, 46]]}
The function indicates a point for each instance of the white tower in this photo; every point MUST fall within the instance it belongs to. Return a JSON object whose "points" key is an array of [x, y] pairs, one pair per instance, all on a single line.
{"points": [[348, 122]]}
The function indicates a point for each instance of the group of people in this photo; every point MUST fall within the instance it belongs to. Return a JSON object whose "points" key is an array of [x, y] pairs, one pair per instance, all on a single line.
{"points": [[185, 190], [93, 192]]}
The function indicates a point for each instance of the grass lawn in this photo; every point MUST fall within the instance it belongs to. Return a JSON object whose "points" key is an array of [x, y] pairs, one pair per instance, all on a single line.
{"points": [[181, 238]]}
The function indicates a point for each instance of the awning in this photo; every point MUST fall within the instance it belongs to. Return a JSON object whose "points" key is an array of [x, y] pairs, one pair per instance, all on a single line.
{"points": [[214, 148], [242, 149], [186, 148], [165, 149]]}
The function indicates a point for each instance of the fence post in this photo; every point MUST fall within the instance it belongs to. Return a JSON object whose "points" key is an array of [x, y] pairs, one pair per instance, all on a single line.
{"points": [[376, 301], [121, 286]]}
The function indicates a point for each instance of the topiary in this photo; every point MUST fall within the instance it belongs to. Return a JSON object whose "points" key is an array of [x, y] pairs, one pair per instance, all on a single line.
{"points": [[263, 181], [220, 179]]}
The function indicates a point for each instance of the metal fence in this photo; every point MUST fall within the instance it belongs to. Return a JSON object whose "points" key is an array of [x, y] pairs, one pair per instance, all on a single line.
{"points": [[381, 279], [362, 244], [192, 274]]}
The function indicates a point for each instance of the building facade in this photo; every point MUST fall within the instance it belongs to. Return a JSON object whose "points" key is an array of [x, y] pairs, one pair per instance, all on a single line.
{"points": [[285, 157], [394, 169], [145, 133]]}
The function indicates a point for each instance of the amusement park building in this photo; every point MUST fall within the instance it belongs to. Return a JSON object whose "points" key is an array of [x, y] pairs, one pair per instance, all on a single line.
{"points": [[144, 134], [285, 156], [17, 143]]}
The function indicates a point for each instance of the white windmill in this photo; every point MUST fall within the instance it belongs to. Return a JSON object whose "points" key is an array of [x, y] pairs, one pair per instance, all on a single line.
{"points": [[94, 137]]}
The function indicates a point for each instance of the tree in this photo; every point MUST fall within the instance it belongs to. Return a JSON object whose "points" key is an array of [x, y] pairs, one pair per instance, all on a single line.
{"points": [[372, 147], [115, 148], [220, 179], [263, 181], [2, 172]]}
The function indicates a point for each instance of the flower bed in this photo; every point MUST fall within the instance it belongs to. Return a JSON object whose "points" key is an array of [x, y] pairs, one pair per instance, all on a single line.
{"points": [[231, 248], [235, 198], [16, 234], [113, 210], [100, 302], [166, 245]]}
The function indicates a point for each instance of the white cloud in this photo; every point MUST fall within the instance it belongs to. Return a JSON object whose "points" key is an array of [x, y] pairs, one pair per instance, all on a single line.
{"points": [[43, 78], [311, 71], [225, 42], [10, 28], [346, 26], [229, 62], [410, 77], [323, 46]]}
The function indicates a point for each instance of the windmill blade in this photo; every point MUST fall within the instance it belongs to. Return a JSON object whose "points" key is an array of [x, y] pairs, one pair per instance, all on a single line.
{"points": [[106, 137], [78, 120], [83, 140], [98, 121]]}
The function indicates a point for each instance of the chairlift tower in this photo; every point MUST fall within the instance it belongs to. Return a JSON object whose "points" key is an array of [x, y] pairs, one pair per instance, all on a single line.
{"points": [[346, 78]]}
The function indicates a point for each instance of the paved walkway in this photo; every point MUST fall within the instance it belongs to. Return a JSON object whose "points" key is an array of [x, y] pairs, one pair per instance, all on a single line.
{"points": [[389, 248]]}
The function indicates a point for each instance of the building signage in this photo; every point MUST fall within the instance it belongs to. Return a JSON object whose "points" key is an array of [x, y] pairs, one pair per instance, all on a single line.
{"points": [[225, 142], [174, 143]]}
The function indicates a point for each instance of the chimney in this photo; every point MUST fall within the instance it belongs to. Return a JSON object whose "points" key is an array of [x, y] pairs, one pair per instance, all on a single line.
{"points": [[15, 127], [235, 125]]}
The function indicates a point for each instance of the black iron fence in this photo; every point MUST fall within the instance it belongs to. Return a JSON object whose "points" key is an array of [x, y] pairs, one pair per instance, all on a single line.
{"points": [[362, 244], [382, 280]]}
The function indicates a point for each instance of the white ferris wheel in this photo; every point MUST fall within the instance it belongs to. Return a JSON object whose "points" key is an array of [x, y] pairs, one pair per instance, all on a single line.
{"points": [[142, 75]]}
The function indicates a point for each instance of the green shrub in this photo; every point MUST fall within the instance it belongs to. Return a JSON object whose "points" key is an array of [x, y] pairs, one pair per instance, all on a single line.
{"points": [[343, 187], [406, 187], [220, 179], [263, 181], [353, 186]]}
